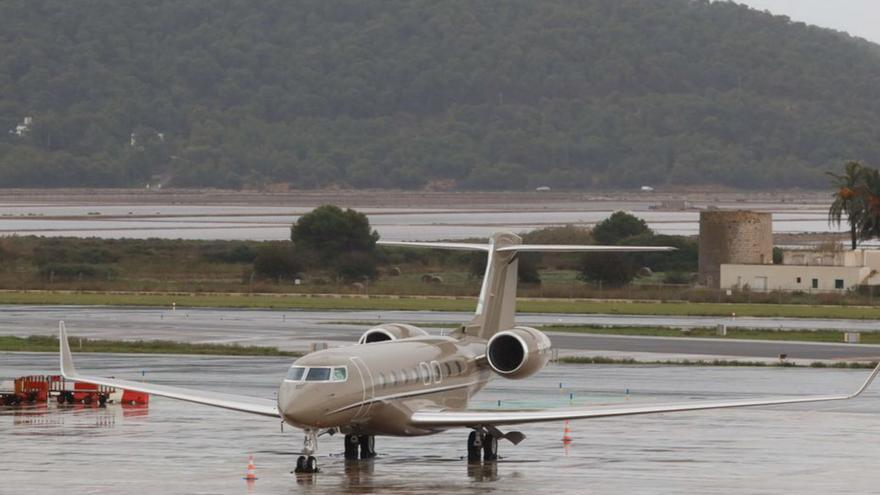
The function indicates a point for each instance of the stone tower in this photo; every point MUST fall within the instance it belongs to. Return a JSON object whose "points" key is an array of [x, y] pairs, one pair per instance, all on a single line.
{"points": [[741, 237]]}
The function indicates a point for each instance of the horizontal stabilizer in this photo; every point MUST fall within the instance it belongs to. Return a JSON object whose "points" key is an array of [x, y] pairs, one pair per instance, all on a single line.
{"points": [[455, 246], [532, 248]]}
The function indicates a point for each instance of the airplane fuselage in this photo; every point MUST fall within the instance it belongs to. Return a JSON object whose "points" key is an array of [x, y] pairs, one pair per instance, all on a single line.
{"points": [[385, 382]]}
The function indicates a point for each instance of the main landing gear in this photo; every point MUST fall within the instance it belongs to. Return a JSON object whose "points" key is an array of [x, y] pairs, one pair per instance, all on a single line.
{"points": [[366, 444], [482, 445]]}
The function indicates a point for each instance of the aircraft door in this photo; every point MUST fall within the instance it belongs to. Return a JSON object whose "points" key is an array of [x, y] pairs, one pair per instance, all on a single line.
{"points": [[369, 387]]}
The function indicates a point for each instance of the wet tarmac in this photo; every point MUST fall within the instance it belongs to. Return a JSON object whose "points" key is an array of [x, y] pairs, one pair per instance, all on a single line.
{"points": [[173, 447]]}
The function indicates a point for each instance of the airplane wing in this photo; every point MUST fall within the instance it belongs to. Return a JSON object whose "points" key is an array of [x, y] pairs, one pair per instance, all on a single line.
{"points": [[473, 418], [253, 405]]}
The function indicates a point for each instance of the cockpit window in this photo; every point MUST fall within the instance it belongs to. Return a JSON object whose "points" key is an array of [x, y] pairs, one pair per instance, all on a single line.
{"points": [[318, 375], [296, 373], [339, 374]]}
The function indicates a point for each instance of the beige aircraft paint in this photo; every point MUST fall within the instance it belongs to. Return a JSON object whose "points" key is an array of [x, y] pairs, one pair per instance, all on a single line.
{"points": [[399, 380]]}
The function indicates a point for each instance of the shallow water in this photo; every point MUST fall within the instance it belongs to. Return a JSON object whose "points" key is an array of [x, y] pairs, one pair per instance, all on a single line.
{"points": [[237, 222], [175, 447]]}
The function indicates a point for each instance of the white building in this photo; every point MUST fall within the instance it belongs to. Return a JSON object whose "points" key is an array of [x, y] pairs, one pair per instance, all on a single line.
{"points": [[807, 271], [23, 128]]}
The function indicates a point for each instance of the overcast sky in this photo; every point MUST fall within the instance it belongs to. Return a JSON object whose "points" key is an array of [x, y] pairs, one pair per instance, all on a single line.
{"points": [[857, 17]]}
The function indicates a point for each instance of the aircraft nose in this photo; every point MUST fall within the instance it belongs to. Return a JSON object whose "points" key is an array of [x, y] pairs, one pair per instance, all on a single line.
{"points": [[295, 404]]}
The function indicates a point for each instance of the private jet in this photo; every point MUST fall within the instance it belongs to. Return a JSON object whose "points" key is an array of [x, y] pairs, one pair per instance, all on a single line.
{"points": [[399, 380]]}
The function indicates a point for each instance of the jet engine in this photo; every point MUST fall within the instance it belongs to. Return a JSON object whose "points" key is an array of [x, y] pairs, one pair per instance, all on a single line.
{"points": [[391, 331], [518, 352]]}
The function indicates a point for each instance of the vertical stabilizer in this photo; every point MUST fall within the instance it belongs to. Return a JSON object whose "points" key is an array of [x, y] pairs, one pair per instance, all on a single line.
{"points": [[496, 306]]}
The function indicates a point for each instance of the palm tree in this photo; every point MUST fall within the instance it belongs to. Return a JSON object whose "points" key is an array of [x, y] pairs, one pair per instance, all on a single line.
{"points": [[851, 197], [870, 217]]}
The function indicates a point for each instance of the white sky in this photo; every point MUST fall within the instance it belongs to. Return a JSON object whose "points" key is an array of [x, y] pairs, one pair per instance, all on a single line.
{"points": [[857, 17]]}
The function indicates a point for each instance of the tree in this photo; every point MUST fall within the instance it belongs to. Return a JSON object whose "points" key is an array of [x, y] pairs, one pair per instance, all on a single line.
{"points": [[683, 259], [612, 269], [618, 227], [850, 190], [356, 266], [328, 232], [867, 207]]}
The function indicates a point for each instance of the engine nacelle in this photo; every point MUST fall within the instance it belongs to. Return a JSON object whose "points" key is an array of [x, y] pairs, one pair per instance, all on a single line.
{"points": [[518, 352], [391, 331]]}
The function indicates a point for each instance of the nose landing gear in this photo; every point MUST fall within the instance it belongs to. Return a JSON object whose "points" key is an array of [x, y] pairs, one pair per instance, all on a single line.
{"points": [[307, 463]]}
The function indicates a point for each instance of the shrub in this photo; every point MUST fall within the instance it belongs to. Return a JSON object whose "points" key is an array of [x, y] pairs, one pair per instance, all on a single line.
{"points": [[356, 266], [73, 271], [277, 261], [612, 269], [225, 252]]}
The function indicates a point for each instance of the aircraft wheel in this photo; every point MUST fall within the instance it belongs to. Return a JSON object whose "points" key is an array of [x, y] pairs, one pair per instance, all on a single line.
{"points": [[368, 446], [490, 448], [311, 465], [351, 447], [300, 464], [102, 401], [473, 447]]}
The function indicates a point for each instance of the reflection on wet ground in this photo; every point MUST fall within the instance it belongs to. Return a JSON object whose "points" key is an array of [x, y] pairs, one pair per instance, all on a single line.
{"points": [[175, 447]]}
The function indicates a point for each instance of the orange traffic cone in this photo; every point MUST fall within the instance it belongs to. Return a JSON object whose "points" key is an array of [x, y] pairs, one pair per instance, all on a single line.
{"points": [[566, 433], [251, 470]]}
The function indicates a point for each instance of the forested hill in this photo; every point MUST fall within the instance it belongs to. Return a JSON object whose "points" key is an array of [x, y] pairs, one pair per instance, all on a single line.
{"points": [[472, 94]]}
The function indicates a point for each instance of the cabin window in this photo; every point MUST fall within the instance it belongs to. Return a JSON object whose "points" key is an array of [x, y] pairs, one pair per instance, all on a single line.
{"points": [[425, 373], [403, 377], [413, 375], [380, 381], [340, 374], [448, 369], [459, 367], [318, 375], [296, 373]]}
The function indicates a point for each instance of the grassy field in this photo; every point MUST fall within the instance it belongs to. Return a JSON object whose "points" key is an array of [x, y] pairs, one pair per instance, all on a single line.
{"points": [[36, 343], [428, 303], [732, 333]]}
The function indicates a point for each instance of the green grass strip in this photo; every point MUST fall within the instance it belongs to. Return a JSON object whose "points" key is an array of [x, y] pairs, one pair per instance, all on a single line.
{"points": [[428, 303], [39, 343]]}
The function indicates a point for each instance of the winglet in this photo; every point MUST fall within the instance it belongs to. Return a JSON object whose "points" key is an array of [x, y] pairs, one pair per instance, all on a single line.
{"points": [[67, 368], [867, 382]]}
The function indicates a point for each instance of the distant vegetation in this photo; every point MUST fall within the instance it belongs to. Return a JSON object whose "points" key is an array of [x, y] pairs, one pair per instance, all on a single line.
{"points": [[39, 343], [420, 93], [331, 250]]}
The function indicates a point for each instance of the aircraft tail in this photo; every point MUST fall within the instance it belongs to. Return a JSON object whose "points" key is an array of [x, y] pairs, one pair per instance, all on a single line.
{"points": [[496, 306]]}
